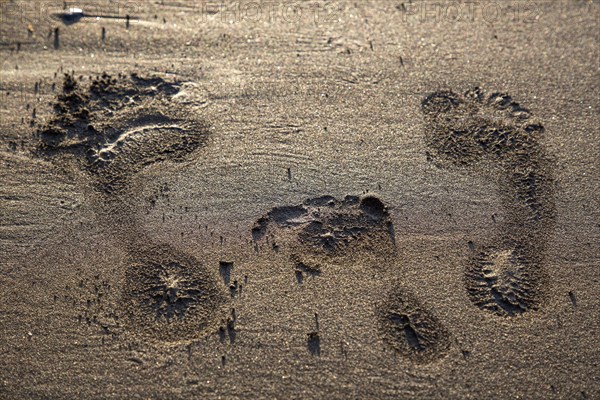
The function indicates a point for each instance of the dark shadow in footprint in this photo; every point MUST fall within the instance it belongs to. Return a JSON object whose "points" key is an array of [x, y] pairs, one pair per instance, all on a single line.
{"points": [[327, 226], [170, 296], [411, 330], [499, 138], [313, 343], [304, 265], [225, 268], [116, 126]]}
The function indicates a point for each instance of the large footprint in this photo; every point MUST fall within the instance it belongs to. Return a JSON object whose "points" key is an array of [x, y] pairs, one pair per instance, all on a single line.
{"points": [[411, 329], [496, 136], [112, 129], [323, 230]]}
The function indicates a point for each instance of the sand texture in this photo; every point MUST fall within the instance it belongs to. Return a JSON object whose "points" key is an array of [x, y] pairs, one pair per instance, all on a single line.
{"points": [[300, 200]]}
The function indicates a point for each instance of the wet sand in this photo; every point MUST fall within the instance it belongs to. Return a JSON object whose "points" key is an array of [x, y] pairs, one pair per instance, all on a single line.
{"points": [[334, 200]]}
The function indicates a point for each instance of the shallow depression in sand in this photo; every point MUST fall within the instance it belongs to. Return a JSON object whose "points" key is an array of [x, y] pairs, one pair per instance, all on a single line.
{"points": [[502, 281], [169, 296], [116, 126], [330, 226], [411, 330]]}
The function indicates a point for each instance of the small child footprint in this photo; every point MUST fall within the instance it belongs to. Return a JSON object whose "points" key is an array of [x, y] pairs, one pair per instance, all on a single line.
{"points": [[411, 329], [327, 227], [323, 230]]}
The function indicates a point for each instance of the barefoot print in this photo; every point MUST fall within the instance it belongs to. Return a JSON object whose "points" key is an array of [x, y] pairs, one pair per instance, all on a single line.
{"points": [[170, 296], [412, 330], [502, 281], [116, 126], [476, 130], [323, 230], [327, 226], [112, 129]]}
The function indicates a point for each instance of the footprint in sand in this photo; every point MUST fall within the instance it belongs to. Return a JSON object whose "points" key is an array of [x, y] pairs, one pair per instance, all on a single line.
{"points": [[503, 281], [323, 230], [115, 127], [327, 226], [494, 135], [411, 329], [170, 296]]}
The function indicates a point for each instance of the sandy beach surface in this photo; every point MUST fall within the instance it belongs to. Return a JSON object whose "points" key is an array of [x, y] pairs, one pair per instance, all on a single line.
{"points": [[305, 200]]}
